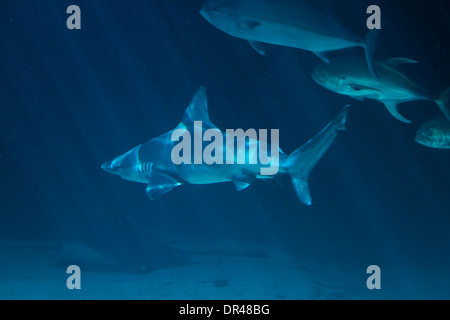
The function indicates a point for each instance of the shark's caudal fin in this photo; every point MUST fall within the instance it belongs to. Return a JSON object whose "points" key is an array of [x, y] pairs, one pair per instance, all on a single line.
{"points": [[444, 103], [369, 48], [303, 160]]}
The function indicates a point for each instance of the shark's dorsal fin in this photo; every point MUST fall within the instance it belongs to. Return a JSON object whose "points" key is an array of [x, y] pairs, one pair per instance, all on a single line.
{"points": [[197, 111]]}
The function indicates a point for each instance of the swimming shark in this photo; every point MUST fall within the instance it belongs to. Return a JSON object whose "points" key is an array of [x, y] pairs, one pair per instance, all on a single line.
{"points": [[152, 162], [286, 23], [350, 76]]}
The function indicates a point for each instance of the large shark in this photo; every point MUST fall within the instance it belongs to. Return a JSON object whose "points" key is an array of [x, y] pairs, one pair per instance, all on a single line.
{"points": [[286, 23], [152, 162], [350, 76]]}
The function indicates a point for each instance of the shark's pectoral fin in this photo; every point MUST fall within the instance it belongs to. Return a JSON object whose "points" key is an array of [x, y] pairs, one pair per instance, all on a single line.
{"points": [[258, 46], [160, 183], [302, 190], [322, 55], [392, 108], [244, 180]]}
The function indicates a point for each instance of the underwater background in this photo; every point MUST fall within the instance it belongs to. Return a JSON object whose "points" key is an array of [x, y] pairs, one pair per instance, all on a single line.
{"points": [[72, 99]]}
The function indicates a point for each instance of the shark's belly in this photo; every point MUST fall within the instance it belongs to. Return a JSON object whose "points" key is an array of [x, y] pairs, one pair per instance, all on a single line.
{"points": [[217, 173], [204, 174]]}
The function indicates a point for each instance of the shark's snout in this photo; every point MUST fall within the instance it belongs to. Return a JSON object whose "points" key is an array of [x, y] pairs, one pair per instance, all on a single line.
{"points": [[219, 13], [106, 165], [210, 6], [208, 10], [109, 166]]}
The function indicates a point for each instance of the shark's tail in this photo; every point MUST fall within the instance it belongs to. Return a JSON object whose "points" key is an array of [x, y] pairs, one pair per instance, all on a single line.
{"points": [[443, 103], [369, 44], [301, 162]]}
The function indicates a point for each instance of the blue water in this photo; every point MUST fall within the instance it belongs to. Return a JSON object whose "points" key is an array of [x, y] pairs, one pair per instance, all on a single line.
{"points": [[72, 99]]}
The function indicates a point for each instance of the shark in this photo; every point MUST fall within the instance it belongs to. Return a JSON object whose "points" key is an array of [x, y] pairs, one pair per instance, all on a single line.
{"points": [[350, 76], [287, 23], [152, 163]]}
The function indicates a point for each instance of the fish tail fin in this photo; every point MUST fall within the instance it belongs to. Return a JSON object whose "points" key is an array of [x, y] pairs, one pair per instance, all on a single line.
{"points": [[369, 48], [443, 102], [303, 160]]}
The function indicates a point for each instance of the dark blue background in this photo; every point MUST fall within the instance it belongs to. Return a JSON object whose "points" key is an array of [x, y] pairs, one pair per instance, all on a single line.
{"points": [[71, 99]]}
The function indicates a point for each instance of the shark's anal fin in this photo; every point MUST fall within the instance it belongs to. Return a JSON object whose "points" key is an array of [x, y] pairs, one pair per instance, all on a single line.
{"points": [[392, 108], [159, 184], [258, 46], [240, 185], [243, 180]]}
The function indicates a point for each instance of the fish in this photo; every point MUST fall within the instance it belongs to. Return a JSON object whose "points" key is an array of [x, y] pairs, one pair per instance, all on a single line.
{"points": [[350, 76], [285, 23], [152, 162], [435, 133]]}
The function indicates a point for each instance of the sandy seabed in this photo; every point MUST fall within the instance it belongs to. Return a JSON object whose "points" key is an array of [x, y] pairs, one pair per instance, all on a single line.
{"points": [[220, 270]]}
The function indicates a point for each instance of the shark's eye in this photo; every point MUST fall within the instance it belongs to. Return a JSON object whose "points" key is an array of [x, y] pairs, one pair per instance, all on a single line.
{"points": [[428, 132]]}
